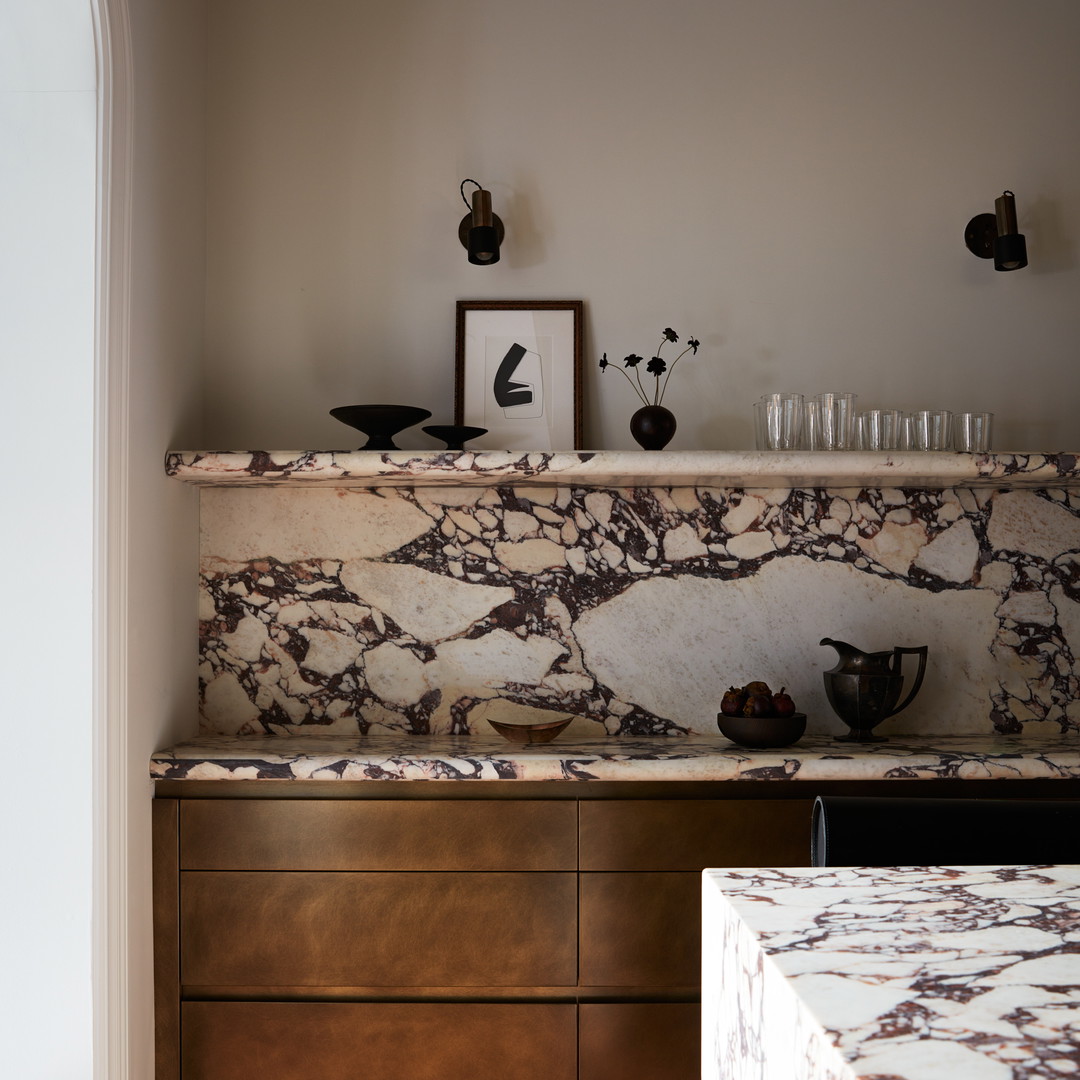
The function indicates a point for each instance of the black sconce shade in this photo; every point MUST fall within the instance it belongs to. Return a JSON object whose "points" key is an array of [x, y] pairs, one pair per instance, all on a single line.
{"points": [[994, 236], [480, 232]]}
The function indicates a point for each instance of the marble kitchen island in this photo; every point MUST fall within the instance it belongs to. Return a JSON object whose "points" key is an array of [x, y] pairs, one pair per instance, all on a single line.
{"points": [[903, 973]]}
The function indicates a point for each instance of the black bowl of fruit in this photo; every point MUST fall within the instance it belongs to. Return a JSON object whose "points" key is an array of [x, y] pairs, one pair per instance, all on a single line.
{"points": [[754, 717]]}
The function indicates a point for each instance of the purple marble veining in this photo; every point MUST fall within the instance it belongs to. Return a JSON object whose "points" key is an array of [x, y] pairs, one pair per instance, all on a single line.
{"points": [[428, 610], [939, 973], [581, 758], [704, 468]]}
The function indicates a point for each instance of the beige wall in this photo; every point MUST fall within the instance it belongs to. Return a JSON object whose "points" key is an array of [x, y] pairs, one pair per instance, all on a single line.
{"points": [[788, 180], [167, 270]]}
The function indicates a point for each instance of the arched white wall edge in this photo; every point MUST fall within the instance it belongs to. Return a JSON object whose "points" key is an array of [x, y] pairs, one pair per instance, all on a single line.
{"points": [[112, 1028]]}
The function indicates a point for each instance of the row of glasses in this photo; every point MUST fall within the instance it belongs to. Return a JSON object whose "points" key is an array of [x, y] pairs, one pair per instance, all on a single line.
{"points": [[925, 429], [793, 422], [829, 421]]}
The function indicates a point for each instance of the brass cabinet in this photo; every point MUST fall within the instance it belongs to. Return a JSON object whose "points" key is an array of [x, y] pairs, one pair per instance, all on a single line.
{"points": [[650, 1040], [691, 834], [377, 929], [641, 863], [640, 929], [488, 938], [378, 1041], [451, 834]]}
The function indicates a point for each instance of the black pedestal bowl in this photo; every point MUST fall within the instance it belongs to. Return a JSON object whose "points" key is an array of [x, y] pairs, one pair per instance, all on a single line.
{"points": [[380, 423], [455, 435]]}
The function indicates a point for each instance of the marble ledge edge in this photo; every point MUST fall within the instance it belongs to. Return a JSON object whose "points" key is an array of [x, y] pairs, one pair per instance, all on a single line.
{"points": [[694, 468], [701, 758]]}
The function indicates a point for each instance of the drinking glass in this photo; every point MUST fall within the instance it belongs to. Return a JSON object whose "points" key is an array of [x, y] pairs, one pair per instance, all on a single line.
{"points": [[906, 440], [778, 421], [836, 420], [931, 429], [971, 431], [880, 429], [811, 436]]}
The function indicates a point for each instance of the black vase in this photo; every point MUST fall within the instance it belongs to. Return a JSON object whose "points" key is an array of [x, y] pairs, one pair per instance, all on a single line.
{"points": [[652, 427]]}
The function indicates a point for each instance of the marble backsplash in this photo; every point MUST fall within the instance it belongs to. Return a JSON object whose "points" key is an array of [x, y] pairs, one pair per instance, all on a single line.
{"points": [[429, 609]]}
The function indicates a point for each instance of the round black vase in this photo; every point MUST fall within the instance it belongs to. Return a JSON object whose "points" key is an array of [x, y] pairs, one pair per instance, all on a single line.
{"points": [[652, 427]]}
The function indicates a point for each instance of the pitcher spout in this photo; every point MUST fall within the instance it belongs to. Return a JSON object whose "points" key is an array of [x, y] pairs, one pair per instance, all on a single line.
{"points": [[855, 660], [843, 649]]}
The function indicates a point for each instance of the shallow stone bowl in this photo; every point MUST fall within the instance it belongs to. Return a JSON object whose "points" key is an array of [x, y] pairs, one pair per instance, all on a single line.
{"points": [[530, 733]]}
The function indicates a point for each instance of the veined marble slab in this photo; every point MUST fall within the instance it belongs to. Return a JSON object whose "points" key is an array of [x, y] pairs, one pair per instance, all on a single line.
{"points": [[475, 757], [926, 973], [685, 468], [429, 610]]}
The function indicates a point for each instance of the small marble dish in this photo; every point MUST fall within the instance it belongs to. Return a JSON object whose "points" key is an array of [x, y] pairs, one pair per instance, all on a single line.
{"points": [[762, 732], [530, 733]]}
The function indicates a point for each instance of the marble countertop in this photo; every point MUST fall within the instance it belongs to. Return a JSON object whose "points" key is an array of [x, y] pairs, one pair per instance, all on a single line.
{"points": [[621, 468], [962, 973], [473, 757]]}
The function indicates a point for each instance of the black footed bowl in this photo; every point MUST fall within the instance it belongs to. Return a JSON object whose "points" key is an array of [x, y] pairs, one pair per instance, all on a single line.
{"points": [[762, 732], [455, 435], [379, 422]]}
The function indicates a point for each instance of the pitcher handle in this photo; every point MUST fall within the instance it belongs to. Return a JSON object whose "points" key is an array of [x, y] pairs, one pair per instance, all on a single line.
{"points": [[922, 650]]}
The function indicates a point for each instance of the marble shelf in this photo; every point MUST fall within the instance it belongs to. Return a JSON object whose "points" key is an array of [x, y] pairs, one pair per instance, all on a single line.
{"points": [[659, 758], [609, 468], [927, 973]]}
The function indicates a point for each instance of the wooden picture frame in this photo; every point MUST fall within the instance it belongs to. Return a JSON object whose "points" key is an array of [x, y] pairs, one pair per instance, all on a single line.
{"points": [[519, 373]]}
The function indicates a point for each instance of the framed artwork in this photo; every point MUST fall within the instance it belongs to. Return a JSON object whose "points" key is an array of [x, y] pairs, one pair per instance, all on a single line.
{"points": [[519, 373]]}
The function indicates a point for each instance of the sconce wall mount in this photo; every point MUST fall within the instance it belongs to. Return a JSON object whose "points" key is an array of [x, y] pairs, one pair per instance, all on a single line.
{"points": [[480, 232], [994, 236]]}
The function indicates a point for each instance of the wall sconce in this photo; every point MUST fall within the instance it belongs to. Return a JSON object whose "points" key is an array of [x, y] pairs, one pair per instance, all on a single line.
{"points": [[480, 232], [994, 236]]}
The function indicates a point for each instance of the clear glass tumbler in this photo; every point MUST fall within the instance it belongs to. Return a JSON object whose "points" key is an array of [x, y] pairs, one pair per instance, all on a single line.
{"points": [[931, 429], [836, 420], [778, 421], [880, 429], [971, 431], [811, 432], [906, 439]]}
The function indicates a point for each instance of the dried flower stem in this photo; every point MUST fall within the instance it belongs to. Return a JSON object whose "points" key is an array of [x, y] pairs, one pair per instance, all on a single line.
{"points": [[638, 388], [671, 368], [656, 367]]}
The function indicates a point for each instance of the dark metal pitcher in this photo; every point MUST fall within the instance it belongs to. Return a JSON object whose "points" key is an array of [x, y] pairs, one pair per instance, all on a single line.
{"points": [[863, 688]]}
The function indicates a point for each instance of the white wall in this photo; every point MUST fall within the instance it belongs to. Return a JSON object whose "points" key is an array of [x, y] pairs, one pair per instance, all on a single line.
{"points": [[788, 180], [47, 129]]}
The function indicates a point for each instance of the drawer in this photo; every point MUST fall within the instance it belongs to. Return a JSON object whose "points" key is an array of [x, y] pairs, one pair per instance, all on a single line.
{"points": [[641, 929], [295, 929], [691, 834], [639, 1041], [331, 1041], [256, 834]]}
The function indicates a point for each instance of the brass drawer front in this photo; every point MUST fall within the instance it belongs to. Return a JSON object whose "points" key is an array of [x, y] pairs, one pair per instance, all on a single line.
{"points": [[647, 1039], [641, 929], [288, 1041], [249, 834], [378, 929], [692, 834]]}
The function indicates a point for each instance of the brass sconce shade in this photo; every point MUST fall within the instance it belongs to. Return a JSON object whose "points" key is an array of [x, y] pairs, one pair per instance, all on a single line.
{"points": [[995, 236], [480, 232]]}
